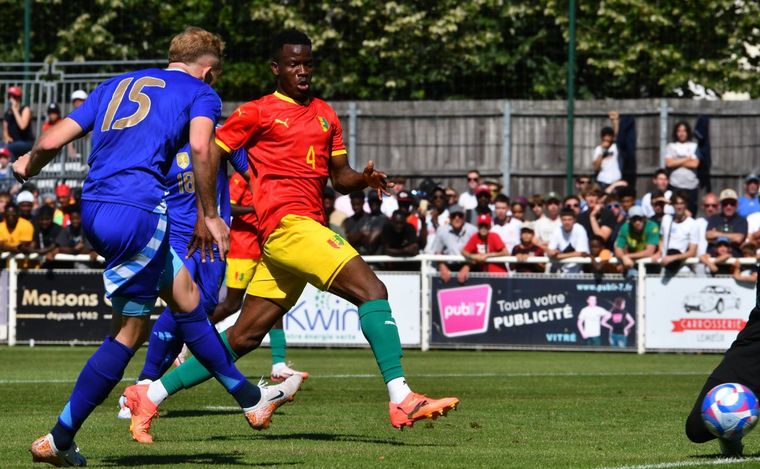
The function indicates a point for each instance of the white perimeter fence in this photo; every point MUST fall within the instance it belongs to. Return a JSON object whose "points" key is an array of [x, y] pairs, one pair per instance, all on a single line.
{"points": [[543, 311]]}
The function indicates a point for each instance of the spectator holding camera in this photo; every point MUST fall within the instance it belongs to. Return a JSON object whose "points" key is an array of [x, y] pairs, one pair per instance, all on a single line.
{"points": [[679, 237], [660, 181], [727, 224], [597, 219], [682, 162], [606, 159]]}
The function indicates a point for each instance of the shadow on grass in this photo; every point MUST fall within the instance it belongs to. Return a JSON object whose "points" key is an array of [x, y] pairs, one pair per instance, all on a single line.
{"points": [[205, 459], [322, 437], [200, 412], [709, 456]]}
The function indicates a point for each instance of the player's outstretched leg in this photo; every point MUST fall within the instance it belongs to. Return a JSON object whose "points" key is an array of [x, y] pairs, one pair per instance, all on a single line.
{"points": [[99, 376], [357, 283], [196, 331], [740, 364], [281, 370]]}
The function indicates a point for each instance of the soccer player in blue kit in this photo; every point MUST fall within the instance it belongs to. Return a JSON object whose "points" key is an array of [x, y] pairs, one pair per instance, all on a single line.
{"points": [[139, 121]]}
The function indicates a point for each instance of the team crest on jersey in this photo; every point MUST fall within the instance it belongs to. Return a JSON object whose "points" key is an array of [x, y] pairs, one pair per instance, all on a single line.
{"points": [[183, 159], [336, 241], [323, 122]]}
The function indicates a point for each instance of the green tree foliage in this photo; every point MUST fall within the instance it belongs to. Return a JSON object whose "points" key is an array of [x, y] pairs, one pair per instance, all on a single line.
{"points": [[424, 49]]}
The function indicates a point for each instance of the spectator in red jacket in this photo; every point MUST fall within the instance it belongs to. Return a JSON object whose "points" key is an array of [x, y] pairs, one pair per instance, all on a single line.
{"points": [[480, 247]]}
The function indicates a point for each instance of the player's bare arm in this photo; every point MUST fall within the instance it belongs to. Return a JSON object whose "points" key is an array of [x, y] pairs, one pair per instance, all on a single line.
{"points": [[205, 167], [345, 180], [45, 149]]}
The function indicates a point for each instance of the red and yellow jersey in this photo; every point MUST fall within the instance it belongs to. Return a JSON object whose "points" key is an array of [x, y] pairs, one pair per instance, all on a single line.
{"points": [[244, 239], [289, 149]]}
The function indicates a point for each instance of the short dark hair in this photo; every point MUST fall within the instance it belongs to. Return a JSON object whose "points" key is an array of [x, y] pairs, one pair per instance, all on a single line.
{"points": [[596, 238], [501, 198], [627, 192], [45, 211], [660, 171], [11, 204], [607, 131], [569, 197], [686, 126], [682, 195], [357, 195], [567, 212], [289, 36]]}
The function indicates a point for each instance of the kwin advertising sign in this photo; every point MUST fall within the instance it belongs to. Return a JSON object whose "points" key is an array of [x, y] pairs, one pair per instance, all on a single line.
{"points": [[537, 312], [696, 313]]}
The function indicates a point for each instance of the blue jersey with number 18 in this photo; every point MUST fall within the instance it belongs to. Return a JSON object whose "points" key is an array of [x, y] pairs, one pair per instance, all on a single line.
{"points": [[180, 196], [139, 121]]}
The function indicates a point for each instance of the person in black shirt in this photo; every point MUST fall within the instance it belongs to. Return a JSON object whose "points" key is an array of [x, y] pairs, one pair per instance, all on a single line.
{"points": [[597, 220], [46, 233], [527, 248], [400, 240], [17, 125]]}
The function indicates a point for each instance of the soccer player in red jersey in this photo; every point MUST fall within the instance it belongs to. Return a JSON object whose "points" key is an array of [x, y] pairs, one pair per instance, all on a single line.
{"points": [[241, 263], [294, 145]]}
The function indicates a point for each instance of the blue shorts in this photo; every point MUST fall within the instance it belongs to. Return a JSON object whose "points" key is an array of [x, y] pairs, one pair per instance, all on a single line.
{"points": [[207, 275], [135, 244]]}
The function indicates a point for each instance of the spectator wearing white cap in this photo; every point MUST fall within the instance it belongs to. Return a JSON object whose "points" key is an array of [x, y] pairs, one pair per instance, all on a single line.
{"points": [[78, 98], [25, 201], [727, 224], [638, 239], [749, 203]]}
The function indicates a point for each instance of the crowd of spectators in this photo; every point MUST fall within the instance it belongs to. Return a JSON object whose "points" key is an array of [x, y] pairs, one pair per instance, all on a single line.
{"points": [[604, 221], [43, 224]]}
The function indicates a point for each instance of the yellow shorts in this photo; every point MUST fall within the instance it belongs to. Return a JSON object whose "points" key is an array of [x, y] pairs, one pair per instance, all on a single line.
{"points": [[298, 251], [240, 272]]}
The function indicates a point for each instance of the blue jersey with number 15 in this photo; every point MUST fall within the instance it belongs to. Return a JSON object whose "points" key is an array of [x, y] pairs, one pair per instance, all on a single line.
{"points": [[139, 121], [180, 198]]}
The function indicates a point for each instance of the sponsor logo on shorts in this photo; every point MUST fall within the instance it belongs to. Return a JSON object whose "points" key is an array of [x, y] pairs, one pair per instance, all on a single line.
{"points": [[465, 310]]}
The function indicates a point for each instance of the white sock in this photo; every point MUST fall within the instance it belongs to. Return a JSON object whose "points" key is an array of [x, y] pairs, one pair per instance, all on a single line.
{"points": [[157, 392], [145, 381], [278, 366], [398, 390]]}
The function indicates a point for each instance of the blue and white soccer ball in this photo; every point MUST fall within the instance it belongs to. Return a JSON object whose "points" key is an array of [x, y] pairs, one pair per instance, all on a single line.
{"points": [[730, 410]]}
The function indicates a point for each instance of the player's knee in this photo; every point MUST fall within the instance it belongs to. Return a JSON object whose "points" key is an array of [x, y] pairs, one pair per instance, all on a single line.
{"points": [[243, 342], [377, 290]]}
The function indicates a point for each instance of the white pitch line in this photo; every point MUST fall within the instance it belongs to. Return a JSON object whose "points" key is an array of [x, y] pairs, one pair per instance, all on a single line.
{"points": [[429, 375], [669, 465]]}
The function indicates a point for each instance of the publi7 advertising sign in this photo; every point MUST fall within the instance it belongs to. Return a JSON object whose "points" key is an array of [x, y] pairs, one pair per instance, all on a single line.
{"points": [[536, 312]]}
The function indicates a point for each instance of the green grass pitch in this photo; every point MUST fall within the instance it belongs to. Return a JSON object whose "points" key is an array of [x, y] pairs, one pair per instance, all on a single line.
{"points": [[519, 409]]}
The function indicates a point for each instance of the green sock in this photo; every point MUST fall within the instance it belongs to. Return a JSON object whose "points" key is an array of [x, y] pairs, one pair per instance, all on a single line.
{"points": [[191, 372], [277, 343], [380, 330]]}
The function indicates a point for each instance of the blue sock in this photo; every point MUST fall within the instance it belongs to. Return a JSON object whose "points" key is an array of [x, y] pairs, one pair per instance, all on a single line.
{"points": [[100, 374], [163, 347], [203, 340]]}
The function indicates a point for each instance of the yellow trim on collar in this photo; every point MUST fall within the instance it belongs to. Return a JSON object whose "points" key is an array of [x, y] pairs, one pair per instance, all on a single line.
{"points": [[288, 99]]}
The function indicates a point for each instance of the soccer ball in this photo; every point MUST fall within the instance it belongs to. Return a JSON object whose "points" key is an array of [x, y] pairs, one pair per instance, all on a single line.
{"points": [[730, 410]]}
